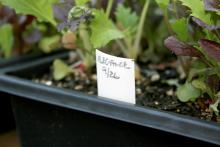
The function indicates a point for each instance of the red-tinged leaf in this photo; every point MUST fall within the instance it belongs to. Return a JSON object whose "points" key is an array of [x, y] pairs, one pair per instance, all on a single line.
{"points": [[81, 67], [181, 48], [6, 14], [212, 5], [211, 47], [33, 37], [62, 9], [213, 82], [209, 101], [27, 20], [204, 25]]}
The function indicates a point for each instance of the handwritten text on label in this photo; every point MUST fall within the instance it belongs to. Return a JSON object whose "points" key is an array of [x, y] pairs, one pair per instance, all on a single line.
{"points": [[115, 77]]}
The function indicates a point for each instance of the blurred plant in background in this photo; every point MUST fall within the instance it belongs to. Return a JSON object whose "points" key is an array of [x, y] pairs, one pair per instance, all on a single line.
{"points": [[21, 34], [12, 27]]}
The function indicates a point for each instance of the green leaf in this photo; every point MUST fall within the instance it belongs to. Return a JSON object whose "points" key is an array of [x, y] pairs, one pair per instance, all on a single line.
{"points": [[47, 44], [81, 2], [171, 82], [198, 10], [6, 39], [163, 4], [198, 64], [126, 17], [60, 70], [214, 107], [218, 94], [187, 92], [180, 27], [201, 85], [42, 9], [103, 30]]}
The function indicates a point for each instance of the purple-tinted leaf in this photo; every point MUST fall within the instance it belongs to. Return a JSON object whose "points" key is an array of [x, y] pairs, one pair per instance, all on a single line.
{"points": [[213, 82], [6, 14], [211, 47], [212, 5], [32, 37], [74, 25], [181, 48], [19, 23], [62, 9], [76, 16], [204, 25], [62, 25]]}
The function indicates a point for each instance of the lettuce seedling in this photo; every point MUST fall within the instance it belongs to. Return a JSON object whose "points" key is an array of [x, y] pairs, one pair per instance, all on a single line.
{"points": [[25, 31], [196, 34], [42, 9]]}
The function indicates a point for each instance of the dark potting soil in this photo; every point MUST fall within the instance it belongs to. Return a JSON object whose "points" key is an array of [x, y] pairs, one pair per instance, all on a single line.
{"points": [[155, 89]]}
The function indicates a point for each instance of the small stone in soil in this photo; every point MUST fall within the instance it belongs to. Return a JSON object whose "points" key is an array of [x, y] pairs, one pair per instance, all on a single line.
{"points": [[173, 102], [156, 103], [138, 82], [91, 92], [59, 85], [78, 87], [138, 91], [94, 77], [170, 92], [49, 83], [155, 77], [87, 82], [206, 114], [170, 73]]}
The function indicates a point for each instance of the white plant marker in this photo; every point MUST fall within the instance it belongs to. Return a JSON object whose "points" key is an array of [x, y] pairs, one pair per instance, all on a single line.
{"points": [[115, 77]]}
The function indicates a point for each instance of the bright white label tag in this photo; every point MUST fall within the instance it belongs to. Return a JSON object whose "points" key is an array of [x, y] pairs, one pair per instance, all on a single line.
{"points": [[116, 77]]}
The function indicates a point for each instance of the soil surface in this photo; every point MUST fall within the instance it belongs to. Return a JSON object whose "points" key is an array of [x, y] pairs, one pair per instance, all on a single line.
{"points": [[155, 89]]}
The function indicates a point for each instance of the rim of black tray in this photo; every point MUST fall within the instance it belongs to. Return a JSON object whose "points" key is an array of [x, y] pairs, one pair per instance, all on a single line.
{"points": [[148, 117]]}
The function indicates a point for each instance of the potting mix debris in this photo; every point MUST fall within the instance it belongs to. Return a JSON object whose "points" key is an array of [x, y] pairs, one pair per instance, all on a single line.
{"points": [[155, 89]]}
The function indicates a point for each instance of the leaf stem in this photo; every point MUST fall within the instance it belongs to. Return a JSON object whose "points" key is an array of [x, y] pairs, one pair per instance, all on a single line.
{"points": [[166, 19], [175, 8], [109, 7], [84, 35], [122, 47], [137, 41], [53, 23]]}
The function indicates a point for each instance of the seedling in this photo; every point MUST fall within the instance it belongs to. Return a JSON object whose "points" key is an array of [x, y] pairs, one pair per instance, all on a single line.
{"points": [[22, 34], [196, 34]]}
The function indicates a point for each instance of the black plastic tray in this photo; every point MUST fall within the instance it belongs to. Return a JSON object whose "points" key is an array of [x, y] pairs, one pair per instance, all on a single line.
{"points": [[195, 131], [13, 61], [7, 122]]}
